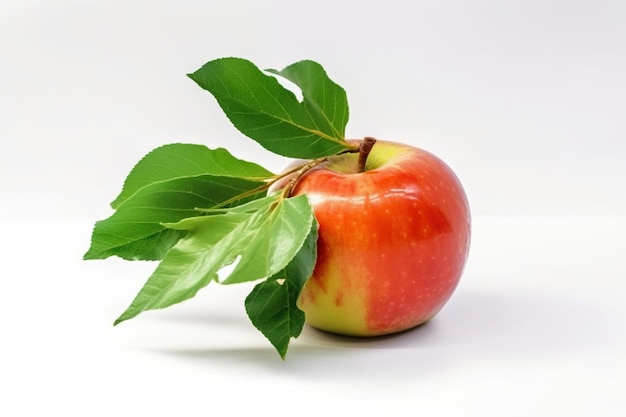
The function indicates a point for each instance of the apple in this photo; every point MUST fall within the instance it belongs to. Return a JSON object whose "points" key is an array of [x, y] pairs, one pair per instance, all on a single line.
{"points": [[393, 239]]}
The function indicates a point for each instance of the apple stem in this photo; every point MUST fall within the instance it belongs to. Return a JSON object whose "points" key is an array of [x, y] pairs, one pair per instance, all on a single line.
{"points": [[364, 150]]}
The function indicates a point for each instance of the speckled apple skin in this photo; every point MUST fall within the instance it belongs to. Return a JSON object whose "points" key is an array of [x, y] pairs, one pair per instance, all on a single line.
{"points": [[393, 240]]}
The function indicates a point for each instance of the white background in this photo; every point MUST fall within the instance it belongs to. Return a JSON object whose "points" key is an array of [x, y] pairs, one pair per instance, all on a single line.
{"points": [[524, 99]]}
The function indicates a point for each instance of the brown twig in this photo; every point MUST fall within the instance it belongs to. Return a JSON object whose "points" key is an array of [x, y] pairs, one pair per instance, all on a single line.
{"points": [[364, 150]]}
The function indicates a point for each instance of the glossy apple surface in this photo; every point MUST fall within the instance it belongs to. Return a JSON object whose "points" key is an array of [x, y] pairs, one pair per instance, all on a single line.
{"points": [[393, 240]]}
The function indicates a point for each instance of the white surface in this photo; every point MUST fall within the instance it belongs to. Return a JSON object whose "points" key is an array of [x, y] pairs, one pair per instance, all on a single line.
{"points": [[535, 328], [524, 99]]}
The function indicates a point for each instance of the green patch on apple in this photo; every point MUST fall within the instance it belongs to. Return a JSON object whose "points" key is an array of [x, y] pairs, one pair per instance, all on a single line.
{"points": [[356, 237]]}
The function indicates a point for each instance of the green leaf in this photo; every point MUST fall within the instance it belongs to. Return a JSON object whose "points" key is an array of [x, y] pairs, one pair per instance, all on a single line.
{"points": [[262, 242], [267, 112], [325, 101], [135, 231], [272, 304], [179, 160]]}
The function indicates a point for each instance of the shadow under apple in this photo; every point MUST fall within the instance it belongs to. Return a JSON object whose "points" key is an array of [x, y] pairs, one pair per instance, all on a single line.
{"points": [[473, 326]]}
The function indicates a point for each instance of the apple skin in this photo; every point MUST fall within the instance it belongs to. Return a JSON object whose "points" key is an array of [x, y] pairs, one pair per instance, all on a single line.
{"points": [[393, 240]]}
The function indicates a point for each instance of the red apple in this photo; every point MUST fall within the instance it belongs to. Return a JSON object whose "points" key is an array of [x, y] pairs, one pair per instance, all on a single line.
{"points": [[393, 240]]}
